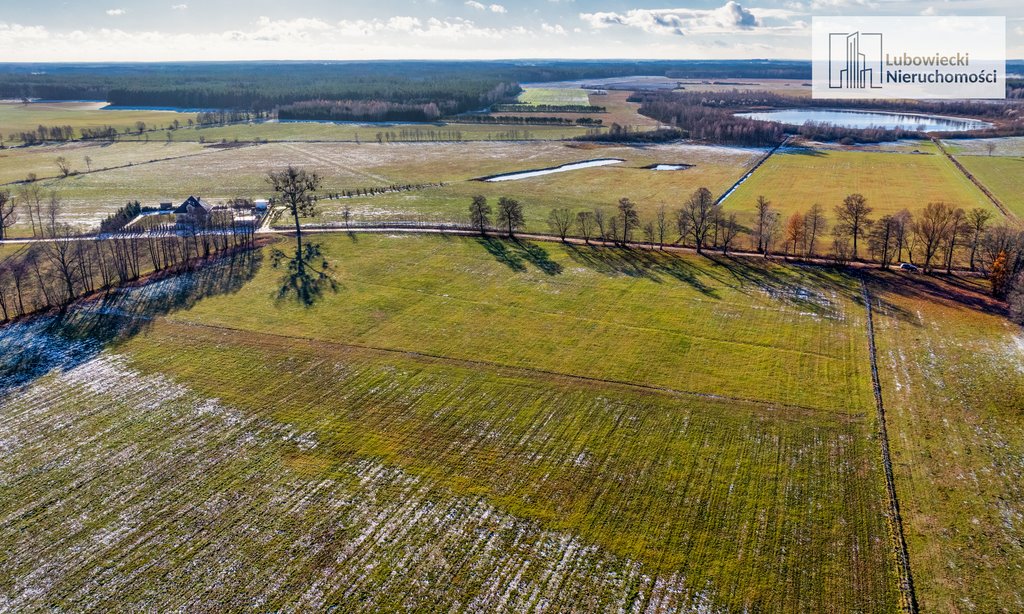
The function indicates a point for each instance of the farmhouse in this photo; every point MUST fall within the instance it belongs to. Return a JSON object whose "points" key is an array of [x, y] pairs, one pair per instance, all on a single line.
{"points": [[195, 207]]}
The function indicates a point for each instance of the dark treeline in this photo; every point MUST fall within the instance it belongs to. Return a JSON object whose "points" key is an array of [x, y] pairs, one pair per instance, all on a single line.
{"points": [[119, 219], [709, 118], [264, 86], [537, 120], [626, 134], [364, 110], [712, 116], [547, 108]]}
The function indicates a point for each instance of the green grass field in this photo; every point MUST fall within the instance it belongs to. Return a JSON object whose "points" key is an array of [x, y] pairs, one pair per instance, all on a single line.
{"points": [[1004, 176], [352, 133], [221, 174], [17, 117], [953, 383], [554, 96], [463, 426], [797, 178], [1005, 146], [17, 163], [716, 168]]}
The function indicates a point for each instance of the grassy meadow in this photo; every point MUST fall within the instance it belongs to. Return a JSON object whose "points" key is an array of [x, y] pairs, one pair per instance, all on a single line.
{"points": [[17, 117], [716, 168], [463, 426], [953, 383], [1004, 176], [219, 174], [554, 96], [796, 178]]}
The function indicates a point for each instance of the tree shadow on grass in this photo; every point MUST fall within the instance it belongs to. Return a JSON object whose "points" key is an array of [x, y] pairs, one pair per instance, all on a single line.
{"points": [[307, 275], [31, 348], [515, 254], [656, 266], [949, 290]]}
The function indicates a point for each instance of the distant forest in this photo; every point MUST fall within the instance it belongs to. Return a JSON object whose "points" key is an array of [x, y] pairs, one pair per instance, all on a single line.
{"points": [[454, 87]]}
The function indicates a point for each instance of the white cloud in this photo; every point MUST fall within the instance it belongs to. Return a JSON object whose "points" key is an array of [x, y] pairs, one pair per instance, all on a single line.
{"points": [[494, 8], [552, 29], [729, 17], [115, 12], [179, 7], [818, 5]]}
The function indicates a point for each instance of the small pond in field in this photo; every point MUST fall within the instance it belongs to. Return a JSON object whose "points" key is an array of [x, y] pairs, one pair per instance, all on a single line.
{"points": [[575, 166], [869, 119], [668, 167]]}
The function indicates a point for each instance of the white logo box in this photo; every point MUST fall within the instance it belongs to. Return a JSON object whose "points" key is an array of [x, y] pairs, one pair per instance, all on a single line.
{"points": [[908, 57]]}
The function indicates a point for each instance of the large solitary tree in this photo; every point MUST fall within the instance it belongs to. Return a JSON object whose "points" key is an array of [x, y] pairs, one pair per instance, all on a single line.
{"points": [[296, 187]]}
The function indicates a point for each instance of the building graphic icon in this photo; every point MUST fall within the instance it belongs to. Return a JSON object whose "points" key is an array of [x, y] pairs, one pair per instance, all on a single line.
{"points": [[855, 60]]}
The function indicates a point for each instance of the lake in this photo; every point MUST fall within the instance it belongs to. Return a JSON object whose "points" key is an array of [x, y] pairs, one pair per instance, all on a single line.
{"points": [[869, 119]]}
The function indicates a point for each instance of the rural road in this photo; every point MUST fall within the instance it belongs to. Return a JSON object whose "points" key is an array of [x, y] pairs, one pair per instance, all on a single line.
{"points": [[414, 228]]}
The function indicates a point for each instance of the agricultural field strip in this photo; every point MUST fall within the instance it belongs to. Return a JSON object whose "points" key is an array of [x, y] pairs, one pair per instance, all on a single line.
{"points": [[198, 419], [291, 146], [555, 314], [124, 166], [895, 519], [797, 410], [106, 376], [974, 179]]}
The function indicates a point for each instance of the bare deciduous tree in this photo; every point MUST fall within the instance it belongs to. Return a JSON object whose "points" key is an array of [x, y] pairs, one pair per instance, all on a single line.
{"points": [[480, 214], [795, 227], [585, 225], [977, 220], [628, 217], [296, 187], [8, 212], [882, 240], [815, 226], [560, 221], [661, 225], [63, 166], [932, 229], [852, 218], [698, 214], [510, 214]]}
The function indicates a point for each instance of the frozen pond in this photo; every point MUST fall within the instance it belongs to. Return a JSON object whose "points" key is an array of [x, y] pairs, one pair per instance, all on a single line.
{"points": [[575, 166], [669, 167], [869, 119]]}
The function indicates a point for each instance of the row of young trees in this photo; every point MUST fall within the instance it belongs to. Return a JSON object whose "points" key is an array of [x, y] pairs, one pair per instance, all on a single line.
{"points": [[941, 236], [64, 265]]}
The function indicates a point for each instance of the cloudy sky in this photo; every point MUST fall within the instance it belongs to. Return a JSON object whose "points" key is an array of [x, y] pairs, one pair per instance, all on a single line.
{"points": [[153, 30]]}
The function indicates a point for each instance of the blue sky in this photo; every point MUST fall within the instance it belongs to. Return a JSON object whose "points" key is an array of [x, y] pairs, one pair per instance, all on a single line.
{"points": [[154, 30]]}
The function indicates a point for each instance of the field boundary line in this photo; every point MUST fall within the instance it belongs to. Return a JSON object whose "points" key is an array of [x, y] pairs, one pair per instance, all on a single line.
{"points": [[105, 169], [752, 170], [908, 599], [523, 370], [977, 182]]}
